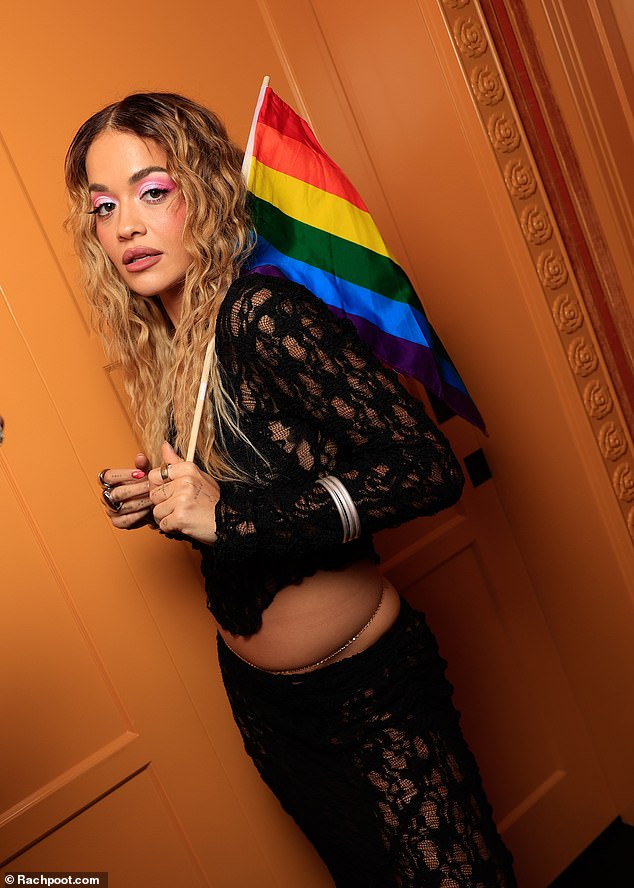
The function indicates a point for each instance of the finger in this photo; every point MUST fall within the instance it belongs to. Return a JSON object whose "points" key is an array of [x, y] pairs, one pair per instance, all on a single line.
{"points": [[135, 505], [160, 493], [142, 463], [125, 493], [132, 489], [123, 519], [162, 512], [122, 493], [132, 519], [170, 459], [163, 524], [121, 476], [169, 454], [181, 469], [178, 470]]}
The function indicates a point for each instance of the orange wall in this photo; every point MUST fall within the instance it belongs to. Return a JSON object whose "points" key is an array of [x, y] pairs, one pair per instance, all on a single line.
{"points": [[62, 64]]}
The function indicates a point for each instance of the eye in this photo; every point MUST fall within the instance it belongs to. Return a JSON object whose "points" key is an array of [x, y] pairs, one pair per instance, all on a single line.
{"points": [[103, 209], [155, 193]]}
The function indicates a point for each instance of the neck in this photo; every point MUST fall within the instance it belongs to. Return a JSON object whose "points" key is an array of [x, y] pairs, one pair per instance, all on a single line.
{"points": [[172, 303]]}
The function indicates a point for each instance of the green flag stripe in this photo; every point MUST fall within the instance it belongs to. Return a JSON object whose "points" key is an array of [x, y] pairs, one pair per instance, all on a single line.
{"points": [[333, 254]]}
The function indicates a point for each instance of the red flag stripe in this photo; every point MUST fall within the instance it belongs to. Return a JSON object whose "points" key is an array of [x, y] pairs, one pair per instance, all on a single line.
{"points": [[280, 143]]}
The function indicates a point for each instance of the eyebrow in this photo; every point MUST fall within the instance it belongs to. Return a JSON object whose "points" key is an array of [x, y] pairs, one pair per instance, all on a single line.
{"points": [[134, 178]]}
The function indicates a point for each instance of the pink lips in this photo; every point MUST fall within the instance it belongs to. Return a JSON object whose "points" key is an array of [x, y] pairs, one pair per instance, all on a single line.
{"points": [[140, 258]]}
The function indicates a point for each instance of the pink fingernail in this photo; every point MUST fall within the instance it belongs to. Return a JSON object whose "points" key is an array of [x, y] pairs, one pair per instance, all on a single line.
{"points": [[138, 474]]}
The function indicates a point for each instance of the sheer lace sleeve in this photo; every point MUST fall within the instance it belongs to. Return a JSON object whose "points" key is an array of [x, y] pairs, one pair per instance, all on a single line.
{"points": [[376, 438]]}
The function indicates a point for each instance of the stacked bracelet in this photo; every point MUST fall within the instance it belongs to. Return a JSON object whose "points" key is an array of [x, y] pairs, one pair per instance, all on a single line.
{"points": [[347, 510]]}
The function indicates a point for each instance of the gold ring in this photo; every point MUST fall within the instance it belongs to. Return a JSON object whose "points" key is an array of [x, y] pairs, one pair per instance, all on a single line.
{"points": [[165, 471]]}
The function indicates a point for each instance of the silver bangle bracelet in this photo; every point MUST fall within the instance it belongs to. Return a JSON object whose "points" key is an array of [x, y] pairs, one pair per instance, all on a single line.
{"points": [[345, 523], [350, 520], [354, 522]]}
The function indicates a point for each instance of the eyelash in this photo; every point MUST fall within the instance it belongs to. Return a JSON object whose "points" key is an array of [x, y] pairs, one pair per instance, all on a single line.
{"points": [[161, 191], [99, 207]]}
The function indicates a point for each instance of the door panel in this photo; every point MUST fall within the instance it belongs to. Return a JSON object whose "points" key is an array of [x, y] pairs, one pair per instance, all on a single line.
{"points": [[131, 834], [40, 637]]}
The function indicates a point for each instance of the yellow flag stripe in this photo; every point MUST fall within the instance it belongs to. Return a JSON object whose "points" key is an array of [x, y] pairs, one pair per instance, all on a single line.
{"points": [[315, 207]]}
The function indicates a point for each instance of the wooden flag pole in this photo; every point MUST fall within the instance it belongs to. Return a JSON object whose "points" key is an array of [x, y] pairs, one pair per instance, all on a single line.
{"points": [[202, 394], [248, 152]]}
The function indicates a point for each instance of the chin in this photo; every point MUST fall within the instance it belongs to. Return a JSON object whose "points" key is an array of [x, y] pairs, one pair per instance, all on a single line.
{"points": [[146, 289]]}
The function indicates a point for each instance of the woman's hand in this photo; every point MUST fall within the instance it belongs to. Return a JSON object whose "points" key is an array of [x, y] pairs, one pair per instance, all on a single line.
{"points": [[186, 503], [127, 490]]}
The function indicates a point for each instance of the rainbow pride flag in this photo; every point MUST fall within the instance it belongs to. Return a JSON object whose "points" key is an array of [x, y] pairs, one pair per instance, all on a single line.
{"points": [[313, 227]]}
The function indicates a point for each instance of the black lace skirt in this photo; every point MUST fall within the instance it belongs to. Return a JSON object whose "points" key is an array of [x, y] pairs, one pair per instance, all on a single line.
{"points": [[367, 756]]}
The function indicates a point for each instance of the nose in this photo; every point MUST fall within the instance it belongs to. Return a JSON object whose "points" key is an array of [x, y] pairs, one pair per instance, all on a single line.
{"points": [[130, 221]]}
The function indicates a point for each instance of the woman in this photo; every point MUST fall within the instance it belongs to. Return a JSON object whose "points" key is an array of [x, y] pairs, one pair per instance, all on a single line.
{"points": [[307, 446]]}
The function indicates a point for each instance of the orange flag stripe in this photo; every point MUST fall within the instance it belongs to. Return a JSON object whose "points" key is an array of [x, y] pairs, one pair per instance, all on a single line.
{"points": [[282, 152]]}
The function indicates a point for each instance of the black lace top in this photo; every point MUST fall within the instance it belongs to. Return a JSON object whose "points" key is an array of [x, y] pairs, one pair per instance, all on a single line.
{"points": [[314, 401]]}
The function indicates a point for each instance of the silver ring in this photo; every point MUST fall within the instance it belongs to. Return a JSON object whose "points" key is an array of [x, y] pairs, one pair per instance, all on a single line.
{"points": [[165, 471], [102, 481], [107, 495]]}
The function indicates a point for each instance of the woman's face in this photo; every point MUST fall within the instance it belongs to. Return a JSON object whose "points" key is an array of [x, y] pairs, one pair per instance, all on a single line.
{"points": [[139, 212]]}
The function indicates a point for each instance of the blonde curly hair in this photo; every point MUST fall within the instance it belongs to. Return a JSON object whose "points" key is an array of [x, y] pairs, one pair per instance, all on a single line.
{"points": [[162, 366]]}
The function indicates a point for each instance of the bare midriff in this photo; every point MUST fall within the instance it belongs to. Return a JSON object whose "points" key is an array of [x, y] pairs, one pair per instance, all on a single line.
{"points": [[306, 623]]}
